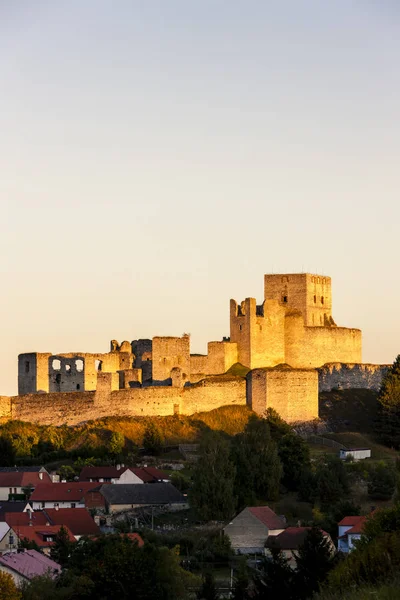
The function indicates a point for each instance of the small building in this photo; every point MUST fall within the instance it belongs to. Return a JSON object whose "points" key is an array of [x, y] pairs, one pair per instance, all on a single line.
{"points": [[355, 453], [14, 481], [61, 495], [8, 538], [250, 529], [121, 474], [24, 565], [350, 530], [122, 497], [290, 540], [43, 535], [77, 520]]}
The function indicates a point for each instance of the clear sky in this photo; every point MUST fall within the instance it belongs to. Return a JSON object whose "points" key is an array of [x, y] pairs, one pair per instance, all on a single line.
{"points": [[157, 157]]}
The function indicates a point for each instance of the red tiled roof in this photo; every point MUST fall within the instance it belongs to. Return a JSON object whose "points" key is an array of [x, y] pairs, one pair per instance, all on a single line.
{"points": [[351, 520], [37, 533], [72, 491], [135, 537], [290, 539], [156, 473], [358, 527], [78, 520], [101, 473], [22, 519], [22, 478], [267, 517]]}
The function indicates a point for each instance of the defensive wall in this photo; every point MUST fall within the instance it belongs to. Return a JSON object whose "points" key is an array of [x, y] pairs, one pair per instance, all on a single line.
{"points": [[348, 376]]}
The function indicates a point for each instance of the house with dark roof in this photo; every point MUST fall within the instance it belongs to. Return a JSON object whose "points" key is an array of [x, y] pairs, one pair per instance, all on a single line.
{"points": [[121, 474], [14, 481], [24, 565], [289, 542], [61, 495], [250, 529], [350, 530], [130, 496], [14, 506]]}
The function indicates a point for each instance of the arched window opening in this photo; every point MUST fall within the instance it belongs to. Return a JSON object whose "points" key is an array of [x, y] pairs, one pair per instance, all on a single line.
{"points": [[98, 365], [56, 364], [315, 299], [322, 299], [79, 365]]}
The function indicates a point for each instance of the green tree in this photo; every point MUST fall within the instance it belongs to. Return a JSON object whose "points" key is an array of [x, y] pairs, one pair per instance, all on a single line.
{"points": [[208, 591], [180, 481], [62, 547], [294, 454], [8, 589], [274, 579], [212, 493], [382, 482], [314, 560], [277, 426], [241, 582], [7, 451], [152, 439], [116, 443], [258, 468], [66, 472], [388, 420]]}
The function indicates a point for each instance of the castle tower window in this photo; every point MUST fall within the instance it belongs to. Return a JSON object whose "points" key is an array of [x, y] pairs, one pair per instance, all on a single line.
{"points": [[98, 365], [58, 378], [79, 365], [56, 364], [285, 299], [322, 299], [27, 366], [240, 327], [68, 368], [78, 387], [315, 299]]}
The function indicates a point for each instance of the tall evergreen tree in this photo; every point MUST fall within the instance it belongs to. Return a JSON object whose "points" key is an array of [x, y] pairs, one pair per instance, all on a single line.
{"points": [[208, 591], [274, 579], [258, 468], [314, 561], [212, 492], [241, 582], [388, 421], [294, 454]]}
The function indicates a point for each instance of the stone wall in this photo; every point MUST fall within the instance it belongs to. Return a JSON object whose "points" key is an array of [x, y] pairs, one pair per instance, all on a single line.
{"points": [[293, 393], [220, 357], [76, 407], [348, 376], [308, 347], [170, 352]]}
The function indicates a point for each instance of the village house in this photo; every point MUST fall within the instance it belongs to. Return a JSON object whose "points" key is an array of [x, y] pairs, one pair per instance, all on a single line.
{"points": [[250, 529], [24, 565], [43, 535], [122, 497], [14, 481], [8, 538], [18, 506], [355, 453], [61, 495], [289, 542], [350, 530], [121, 474]]}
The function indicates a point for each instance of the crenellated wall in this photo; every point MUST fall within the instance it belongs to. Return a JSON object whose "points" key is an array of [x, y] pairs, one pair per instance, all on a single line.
{"points": [[350, 376]]}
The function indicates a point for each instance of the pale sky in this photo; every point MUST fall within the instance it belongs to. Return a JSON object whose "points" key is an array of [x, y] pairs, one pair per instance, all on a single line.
{"points": [[159, 156]]}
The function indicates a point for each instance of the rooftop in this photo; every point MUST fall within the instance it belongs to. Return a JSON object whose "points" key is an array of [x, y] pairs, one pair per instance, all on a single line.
{"points": [[267, 517], [134, 493], [30, 563]]}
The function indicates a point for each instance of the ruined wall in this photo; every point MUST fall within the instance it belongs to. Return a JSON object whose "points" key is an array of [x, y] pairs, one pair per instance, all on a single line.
{"points": [[348, 376], [293, 393], [170, 352], [310, 294], [33, 372], [66, 374], [142, 349], [220, 357], [73, 408], [258, 332], [5, 408], [314, 346]]}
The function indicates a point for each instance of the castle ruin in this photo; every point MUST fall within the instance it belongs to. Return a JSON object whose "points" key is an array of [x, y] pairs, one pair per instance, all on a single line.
{"points": [[282, 342]]}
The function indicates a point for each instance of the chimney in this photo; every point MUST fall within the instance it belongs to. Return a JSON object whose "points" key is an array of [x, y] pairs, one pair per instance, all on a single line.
{"points": [[40, 475], [30, 515], [122, 465], [118, 467], [56, 507]]}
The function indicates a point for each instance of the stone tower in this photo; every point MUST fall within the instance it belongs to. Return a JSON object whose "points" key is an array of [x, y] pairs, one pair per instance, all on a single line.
{"points": [[309, 294]]}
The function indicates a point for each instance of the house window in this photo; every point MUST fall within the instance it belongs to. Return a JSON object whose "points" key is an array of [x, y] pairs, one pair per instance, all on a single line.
{"points": [[11, 540], [56, 505], [15, 490], [43, 504], [73, 504], [10, 490]]}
